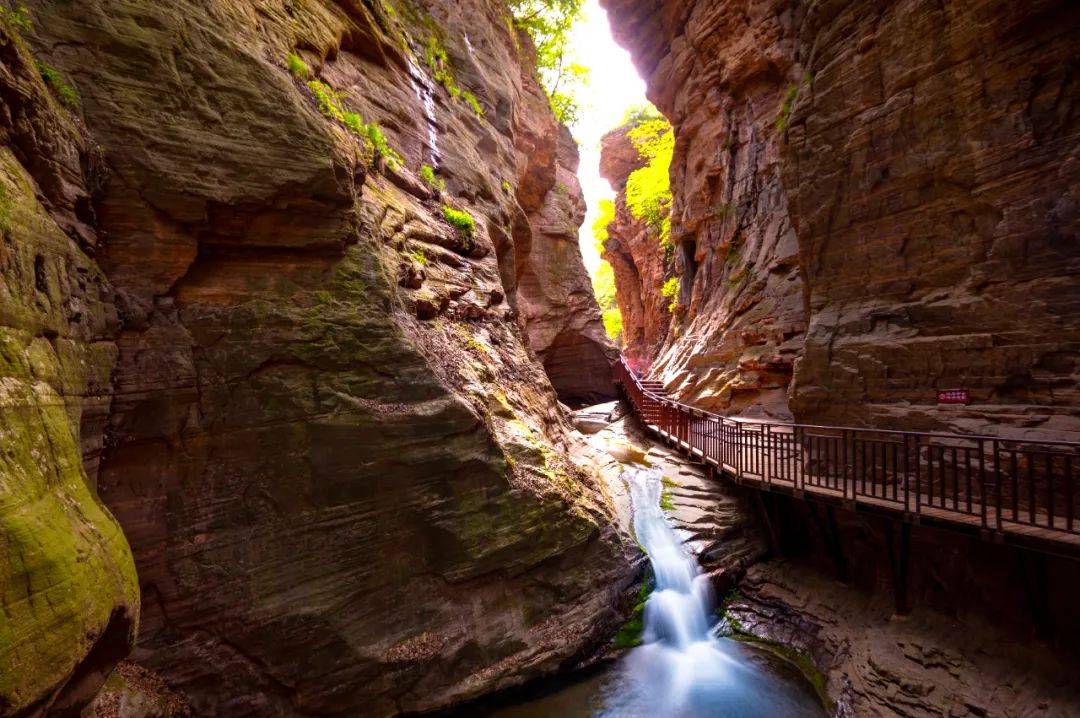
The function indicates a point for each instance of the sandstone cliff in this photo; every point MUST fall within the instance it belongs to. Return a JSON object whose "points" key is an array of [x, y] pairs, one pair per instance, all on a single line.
{"points": [[874, 202], [635, 257], [341, 470], [69, 602], [555, 293]]}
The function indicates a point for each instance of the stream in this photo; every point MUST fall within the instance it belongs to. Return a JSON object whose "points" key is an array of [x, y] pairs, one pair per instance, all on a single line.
{"points": [[682, 669]]}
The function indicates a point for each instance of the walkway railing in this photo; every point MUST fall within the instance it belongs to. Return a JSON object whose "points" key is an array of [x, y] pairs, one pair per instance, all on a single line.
{"points": [[1030, 488]]}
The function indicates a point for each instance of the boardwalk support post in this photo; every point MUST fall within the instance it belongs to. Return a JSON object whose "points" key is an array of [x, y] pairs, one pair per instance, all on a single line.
{"points": [[774, 542], [1038, 593], [898, 563]]}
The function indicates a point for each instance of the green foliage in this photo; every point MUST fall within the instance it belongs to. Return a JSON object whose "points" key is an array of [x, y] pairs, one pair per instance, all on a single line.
{"points": [[374, 135], [630, 634], [640, 114], [17, 19], [6, 207], [648, 188], [473, 103], [297, 67], [460, 220], [670, 291], [63, 91], [438, 62], [329, 102], [332, 104], [605, 216], [436, 184], [784, 116], [418, 256], [667, 503], [507, 187], [549, 23], [613, 324], [604, 290]]}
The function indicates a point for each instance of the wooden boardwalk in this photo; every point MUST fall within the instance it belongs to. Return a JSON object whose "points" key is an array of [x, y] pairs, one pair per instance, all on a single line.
{"points": [[1007, 491]]}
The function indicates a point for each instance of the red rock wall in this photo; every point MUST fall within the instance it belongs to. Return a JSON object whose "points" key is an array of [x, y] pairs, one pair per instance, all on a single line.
{"points": [[880, 199], [932, 174], [632, 251], [341, 470], [555, 294], [733, 345]]}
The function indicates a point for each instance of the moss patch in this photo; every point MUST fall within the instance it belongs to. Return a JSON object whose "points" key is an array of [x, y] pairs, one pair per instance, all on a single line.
{"points": [[630, 634]]}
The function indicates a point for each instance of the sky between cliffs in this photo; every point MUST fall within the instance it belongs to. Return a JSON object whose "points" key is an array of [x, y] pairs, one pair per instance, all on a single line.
{"points": [[614, 86]]}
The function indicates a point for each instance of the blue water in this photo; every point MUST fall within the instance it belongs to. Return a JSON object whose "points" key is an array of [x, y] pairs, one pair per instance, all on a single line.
{"points": [[682, 670]]}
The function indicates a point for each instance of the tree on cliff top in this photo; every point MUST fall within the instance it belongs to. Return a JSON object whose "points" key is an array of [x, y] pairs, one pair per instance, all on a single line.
{"points": [[549, 22], [648, 189]]}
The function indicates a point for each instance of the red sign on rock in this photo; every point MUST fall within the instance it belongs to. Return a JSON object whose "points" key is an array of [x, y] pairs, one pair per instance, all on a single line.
{"points": [[953, 396]]}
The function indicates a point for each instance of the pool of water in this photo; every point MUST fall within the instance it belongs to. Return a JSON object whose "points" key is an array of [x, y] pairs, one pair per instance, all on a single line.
{"points": [[758, 685], [682, 670]]}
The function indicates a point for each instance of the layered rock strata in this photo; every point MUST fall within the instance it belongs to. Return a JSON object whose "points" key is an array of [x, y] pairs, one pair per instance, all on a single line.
{"points": [[343, 474], [876, 202], [69, 598], [633, 250], [716, 70], [555, 294]]}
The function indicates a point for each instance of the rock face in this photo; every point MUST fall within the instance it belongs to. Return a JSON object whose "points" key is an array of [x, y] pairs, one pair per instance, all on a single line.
{"points": [[874, 203], [69, 598], [732, 348], [342, 472], [933, 179], [635, 257], [555, 295]]}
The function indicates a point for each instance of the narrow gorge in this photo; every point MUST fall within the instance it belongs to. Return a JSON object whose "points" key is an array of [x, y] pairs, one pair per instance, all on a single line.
{"points": [[308, 406]]}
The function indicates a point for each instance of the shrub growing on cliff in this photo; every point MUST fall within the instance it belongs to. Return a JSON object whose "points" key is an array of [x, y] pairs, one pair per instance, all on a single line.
{"points": [[670, 291], [473, 103], [297, 67], [427, 175], [329, 102], [17, 19], [63, 91], [375, 137], [648, 189], [784, 116], [460, 220], [332, 105]]}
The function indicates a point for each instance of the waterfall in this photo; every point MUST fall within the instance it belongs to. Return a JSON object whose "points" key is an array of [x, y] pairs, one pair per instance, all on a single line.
{"points": [[425, 93], [683, 670]]}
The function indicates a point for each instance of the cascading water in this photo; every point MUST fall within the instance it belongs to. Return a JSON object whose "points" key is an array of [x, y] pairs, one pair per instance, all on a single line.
{"points": [[683, 670], [425, 93]]}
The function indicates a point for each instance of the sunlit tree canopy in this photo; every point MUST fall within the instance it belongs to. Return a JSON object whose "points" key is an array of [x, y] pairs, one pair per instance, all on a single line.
{"points": [[549, 22], [648, 189]]}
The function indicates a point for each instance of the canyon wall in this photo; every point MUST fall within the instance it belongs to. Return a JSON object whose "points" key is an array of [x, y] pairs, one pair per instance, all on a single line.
{"points": [[69, 597], [874, 202], [635, 257], [555, 293], [340, 467]]}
